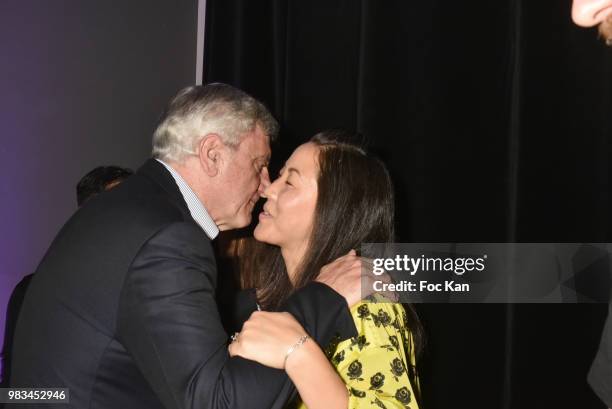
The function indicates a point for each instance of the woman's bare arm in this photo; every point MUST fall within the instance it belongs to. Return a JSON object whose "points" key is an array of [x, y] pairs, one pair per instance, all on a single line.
{"points": [[267, 336], [315, 378]]}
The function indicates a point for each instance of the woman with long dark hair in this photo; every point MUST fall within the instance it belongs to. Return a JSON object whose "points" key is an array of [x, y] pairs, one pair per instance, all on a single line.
{"points": [[330, 198]]}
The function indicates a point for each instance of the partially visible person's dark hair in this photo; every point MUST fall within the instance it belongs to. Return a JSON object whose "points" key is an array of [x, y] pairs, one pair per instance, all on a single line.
{"points": [[355, 205], [98, 180]]}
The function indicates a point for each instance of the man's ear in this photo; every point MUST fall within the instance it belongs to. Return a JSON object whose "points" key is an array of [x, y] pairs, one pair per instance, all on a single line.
{"points": [[210, 152]]}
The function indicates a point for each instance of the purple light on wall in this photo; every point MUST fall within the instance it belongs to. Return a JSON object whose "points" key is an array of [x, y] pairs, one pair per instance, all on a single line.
{"points": [[83, 84]]}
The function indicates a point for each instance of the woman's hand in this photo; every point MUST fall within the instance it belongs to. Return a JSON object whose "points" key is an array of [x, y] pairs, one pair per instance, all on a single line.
{"points": [[266, 337]]}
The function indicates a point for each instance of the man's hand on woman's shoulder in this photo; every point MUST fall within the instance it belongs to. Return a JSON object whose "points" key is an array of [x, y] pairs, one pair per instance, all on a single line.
{"points": [[351, 277]]}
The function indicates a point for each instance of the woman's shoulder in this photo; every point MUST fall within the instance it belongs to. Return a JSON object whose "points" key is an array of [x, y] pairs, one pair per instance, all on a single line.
{"points": [[380, 312], [375, 363], [381, 325]]}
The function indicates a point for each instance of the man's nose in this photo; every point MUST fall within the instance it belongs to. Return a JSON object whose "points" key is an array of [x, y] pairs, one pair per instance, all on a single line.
{"points": [[588, 13], [264, 182]]}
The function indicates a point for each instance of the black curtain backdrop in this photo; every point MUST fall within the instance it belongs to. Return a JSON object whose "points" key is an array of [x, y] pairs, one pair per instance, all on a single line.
{"points": [[494, 119]]}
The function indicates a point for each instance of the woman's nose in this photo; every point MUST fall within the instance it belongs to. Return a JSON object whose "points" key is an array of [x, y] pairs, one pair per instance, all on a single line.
{"points": [[269, 192]]}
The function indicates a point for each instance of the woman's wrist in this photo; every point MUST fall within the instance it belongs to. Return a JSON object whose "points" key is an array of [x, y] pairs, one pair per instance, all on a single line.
{"points": [[301, 355], [315, 378], [295, 346]]}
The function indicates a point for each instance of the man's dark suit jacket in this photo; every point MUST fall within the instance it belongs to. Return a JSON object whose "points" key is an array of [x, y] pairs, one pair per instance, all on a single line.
{"points": [[122, 311], [12, 312]]}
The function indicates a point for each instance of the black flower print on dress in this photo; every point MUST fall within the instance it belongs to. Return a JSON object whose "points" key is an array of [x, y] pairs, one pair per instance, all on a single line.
{"points": [[381, 318], [393, 340], [405, 340], [355, 370], [405, 319], [339, 357], [363, 311], [384, 318], [403, 396], [374, 363], [360, 342], [397, 368], [377, 381], [396, 323], [393, 344], [379, 403]]}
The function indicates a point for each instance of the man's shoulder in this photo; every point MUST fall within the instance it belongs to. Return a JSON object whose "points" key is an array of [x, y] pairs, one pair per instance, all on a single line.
{"points": [[138, 200], [118, 221]]}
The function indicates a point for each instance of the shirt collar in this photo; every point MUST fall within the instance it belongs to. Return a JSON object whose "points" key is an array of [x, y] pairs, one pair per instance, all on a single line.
{"points": [[195, 206]]}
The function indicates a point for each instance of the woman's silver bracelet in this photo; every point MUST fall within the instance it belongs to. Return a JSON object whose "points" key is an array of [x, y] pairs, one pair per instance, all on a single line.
{"points": [[295, 346]]}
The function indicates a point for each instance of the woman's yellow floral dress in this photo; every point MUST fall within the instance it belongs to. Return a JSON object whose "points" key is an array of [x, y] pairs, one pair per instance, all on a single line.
{"points": [[374, 364]]}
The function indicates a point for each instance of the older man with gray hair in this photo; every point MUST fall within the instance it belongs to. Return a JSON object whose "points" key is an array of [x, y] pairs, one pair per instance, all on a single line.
{"points": [[121, 310]]}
